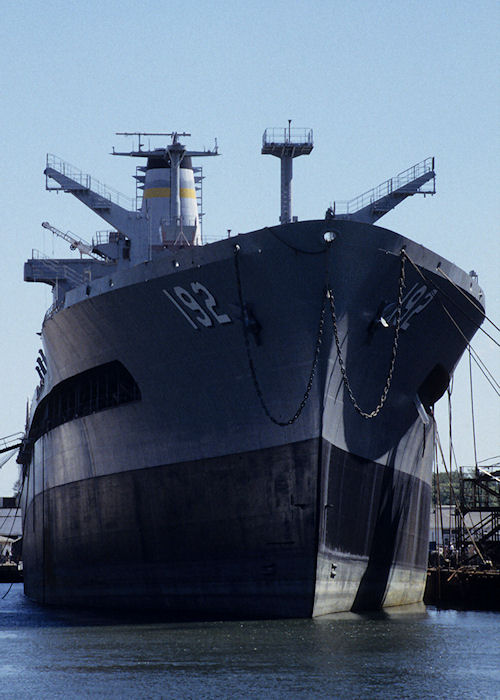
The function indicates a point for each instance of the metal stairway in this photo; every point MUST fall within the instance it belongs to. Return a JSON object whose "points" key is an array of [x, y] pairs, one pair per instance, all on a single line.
{"points": [[117, 209], [71, 179], [480, 494], [373, 204], [11, 442]]}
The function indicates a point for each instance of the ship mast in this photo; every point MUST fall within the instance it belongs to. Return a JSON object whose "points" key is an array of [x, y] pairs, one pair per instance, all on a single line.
{"points": [[173, 217], [287, 144]]}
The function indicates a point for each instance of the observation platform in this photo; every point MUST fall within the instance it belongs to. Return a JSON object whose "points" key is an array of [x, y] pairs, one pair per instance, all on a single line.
{"points": [[287, 142]]}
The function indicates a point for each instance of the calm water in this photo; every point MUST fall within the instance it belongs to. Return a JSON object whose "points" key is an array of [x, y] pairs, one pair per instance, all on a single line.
{"points": [[416, 654]]}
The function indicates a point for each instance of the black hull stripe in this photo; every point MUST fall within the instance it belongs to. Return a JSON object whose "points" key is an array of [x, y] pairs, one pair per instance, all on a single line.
{"points": [[236, 535]]}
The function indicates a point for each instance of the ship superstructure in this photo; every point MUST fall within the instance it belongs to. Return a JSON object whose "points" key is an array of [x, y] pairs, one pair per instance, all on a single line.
{"points": [[242, 428]]}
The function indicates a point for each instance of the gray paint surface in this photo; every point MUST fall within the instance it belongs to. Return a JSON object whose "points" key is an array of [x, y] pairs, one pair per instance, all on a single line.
{"points": [[200, 407]]}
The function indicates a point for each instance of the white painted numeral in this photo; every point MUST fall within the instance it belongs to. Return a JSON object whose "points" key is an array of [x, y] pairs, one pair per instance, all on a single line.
{"points": [[210, 302], [193, 310], [190, 302], [413, 303]]}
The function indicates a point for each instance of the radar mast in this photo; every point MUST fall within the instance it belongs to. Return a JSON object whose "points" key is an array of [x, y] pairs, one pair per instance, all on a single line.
{"points": [[287, 144]]}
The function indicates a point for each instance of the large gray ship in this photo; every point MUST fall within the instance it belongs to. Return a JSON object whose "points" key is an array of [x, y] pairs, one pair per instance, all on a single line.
{"points": [[242, 428]]}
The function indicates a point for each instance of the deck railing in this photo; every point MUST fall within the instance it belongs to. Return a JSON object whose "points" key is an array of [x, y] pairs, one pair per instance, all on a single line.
{"points": [[388, 187], [89, 183], [285, 135]]}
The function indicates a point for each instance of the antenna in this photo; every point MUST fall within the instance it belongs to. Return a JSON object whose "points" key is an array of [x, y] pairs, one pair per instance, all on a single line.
{"points": [[139, 134]]}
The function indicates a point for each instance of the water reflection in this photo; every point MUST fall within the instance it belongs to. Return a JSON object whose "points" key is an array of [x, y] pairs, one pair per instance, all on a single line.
{"points": [[404, 653]]}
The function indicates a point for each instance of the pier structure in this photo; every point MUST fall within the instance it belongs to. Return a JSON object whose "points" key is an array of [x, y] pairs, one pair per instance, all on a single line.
{"points": [[479, 495], [467, 573], [10, 540]]}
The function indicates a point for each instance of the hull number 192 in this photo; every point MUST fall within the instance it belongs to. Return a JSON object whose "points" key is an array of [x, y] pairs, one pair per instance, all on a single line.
{"points": [[198, 306]]}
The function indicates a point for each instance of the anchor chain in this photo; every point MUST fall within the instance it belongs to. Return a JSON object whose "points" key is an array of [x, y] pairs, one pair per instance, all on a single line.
{"points": [[251, 364], [328, 294], [390, 373]]}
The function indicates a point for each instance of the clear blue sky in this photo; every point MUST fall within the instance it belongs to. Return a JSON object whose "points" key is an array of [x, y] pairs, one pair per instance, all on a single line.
{"points": [[383, 84]]}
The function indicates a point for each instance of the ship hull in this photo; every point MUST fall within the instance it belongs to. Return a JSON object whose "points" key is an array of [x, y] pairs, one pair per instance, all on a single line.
{"points": [[236, 477], [239, 537]]}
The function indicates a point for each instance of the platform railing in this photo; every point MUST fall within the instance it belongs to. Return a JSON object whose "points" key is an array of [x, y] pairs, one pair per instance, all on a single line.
{"points": [[285, 135], [89, 183], [385, 188], [61, 270], [10, 442]]}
